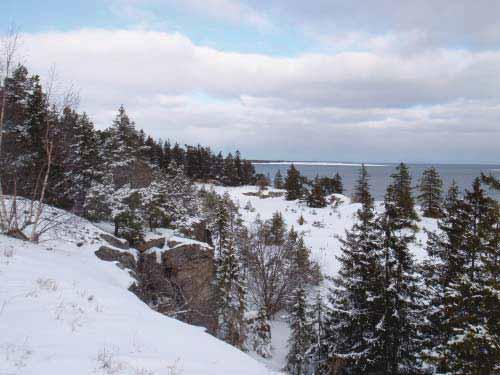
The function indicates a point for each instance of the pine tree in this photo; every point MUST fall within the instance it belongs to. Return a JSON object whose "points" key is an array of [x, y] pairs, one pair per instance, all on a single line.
{"points": [[301, 337], [463, 271], [293, 184], [353, 337], [362, 189], [399, 200], [317, 350], [278, 180], [338, 187], [231, 296], [399, 328], [261, 334], [316, 197], [431, 190]]}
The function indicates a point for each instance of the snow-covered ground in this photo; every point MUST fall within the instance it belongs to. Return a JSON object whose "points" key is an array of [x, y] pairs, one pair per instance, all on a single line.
{"points": [[64, 311], [323, 226]]}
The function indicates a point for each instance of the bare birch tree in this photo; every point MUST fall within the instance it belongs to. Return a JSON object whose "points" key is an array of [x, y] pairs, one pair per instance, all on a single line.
{"points": [[9, 45]]}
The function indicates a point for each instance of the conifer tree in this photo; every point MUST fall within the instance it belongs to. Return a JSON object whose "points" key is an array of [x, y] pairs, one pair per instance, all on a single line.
{"points": [[293, 184], [338, 186], [301, 337], [463, 271], [430, 193], [352, 330], [316, 197], [261, 334], [399, 328], [362, 188], [231, 295], [399, 199], [278, 180]]}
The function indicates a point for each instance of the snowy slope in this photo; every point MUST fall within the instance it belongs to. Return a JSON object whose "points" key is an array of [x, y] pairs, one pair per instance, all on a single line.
{"points": [[323, 226], [63, 311], [322, 229]]}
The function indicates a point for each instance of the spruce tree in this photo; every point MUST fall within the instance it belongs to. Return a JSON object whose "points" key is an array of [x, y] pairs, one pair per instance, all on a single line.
{"points": [[463, 269], [278, 180], [231, 296], [293, 184], [316, 197], [430, 193], [301, 337], [261, 334], [399, 199], [338, 186], [362, 188], [353, 337], [399, 328]]}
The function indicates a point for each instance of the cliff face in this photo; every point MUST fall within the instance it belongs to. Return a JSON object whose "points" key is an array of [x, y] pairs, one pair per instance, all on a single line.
{"points": [[173, 277]]}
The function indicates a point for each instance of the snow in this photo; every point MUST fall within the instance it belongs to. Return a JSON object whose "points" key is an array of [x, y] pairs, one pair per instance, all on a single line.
{"points": [[322, 231], [62, 310], [323, 227]]}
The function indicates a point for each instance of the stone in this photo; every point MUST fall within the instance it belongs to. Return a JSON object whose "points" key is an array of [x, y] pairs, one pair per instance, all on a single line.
{"points": [[156, 242], [173, 243], [119, 243], [126, 260], [191, 268]]}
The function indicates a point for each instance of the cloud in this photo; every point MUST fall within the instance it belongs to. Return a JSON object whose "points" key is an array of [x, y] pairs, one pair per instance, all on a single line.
{"points": [[462, 23], [342, 106], [153, 12]]}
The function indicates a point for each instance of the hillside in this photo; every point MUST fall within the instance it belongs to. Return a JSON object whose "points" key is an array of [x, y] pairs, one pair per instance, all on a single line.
{"points": [[62, 310]]}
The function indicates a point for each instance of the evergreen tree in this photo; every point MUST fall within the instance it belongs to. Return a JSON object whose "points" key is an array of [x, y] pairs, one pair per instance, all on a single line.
{"points": [[261, 334], [399, 200], [463, 273], [231, 295], [278, 180], [293, 184], [230, 177], [431, 190], [301, 337], [399, 328], [353, 336], [316, 197], [338, 187], [362, 189]]}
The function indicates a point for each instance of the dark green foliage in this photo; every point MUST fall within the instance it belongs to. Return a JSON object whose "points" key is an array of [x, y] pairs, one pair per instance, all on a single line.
{"points": [[399, 202], [301, 337], [129, 223], [316, 197], [338, 187], [293, 184], [353, 336], [278, 180], [430, 193], [362, 189], [462, 275]]}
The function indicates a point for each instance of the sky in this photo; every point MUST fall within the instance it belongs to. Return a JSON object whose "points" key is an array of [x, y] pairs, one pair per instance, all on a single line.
{"points": [[324, 80]]}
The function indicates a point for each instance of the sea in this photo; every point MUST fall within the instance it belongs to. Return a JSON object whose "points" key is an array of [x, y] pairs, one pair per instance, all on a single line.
{"points": [[462, 174]]}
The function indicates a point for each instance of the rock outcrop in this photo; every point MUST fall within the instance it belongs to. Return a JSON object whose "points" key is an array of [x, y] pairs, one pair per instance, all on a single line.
{"points": [[124, 259], [176, 281], [119, 243], [191, 268], [156, 242]]}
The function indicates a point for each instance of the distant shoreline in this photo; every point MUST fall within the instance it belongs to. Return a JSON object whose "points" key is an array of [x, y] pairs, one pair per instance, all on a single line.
{"points": [[312, 163]]}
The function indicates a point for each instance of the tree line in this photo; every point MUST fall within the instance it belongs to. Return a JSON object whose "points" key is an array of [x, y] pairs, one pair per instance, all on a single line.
{"points": [[52, 154]]}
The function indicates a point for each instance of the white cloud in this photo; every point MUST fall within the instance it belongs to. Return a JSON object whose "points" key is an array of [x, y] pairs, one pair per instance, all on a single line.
{"points": [[344, 106]]}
